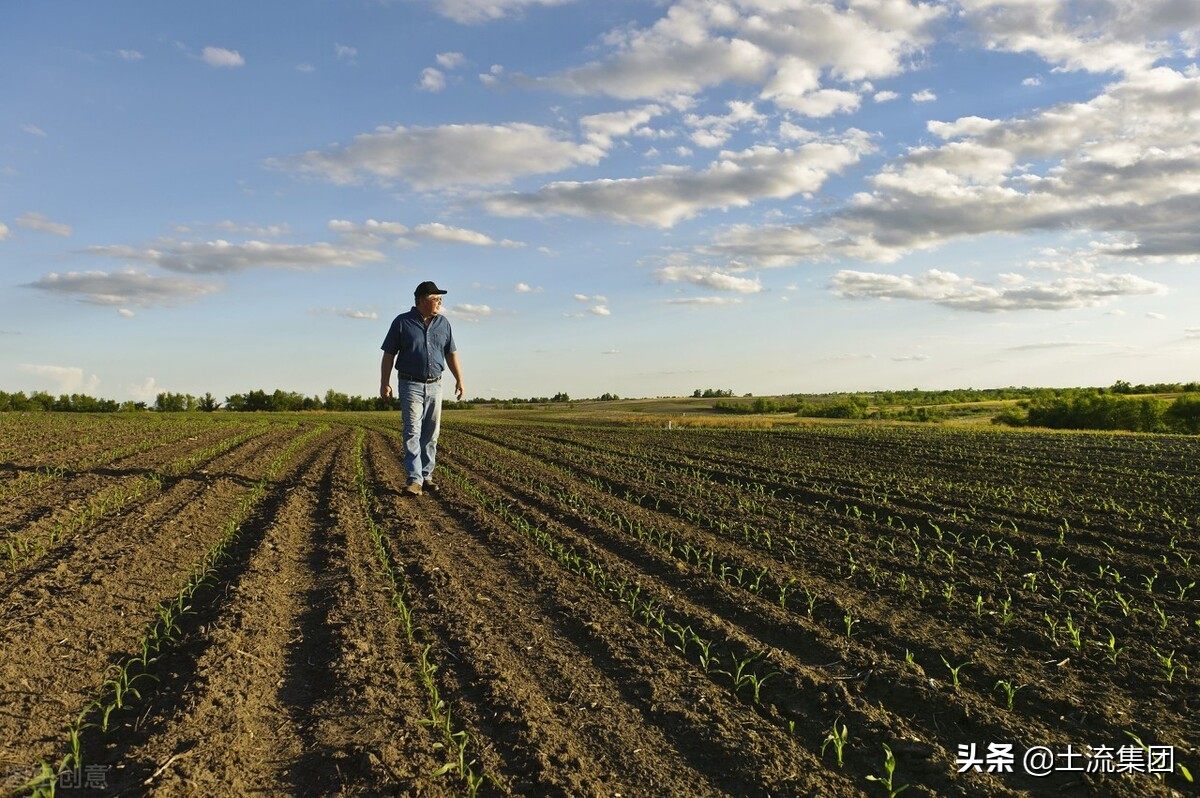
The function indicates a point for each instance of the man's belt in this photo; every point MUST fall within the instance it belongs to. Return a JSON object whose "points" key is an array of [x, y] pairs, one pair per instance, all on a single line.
{"points": [[414, 378]]}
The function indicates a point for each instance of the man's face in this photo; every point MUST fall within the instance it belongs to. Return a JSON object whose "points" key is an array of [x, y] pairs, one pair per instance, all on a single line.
{"points": [[430, 304]]}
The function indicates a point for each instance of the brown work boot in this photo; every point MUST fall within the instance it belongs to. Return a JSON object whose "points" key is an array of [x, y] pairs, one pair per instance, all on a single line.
{"points": [[413, 489]]}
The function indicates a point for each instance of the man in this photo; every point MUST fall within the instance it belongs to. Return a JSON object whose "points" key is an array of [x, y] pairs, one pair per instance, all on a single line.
{"points": [[420, 345]]}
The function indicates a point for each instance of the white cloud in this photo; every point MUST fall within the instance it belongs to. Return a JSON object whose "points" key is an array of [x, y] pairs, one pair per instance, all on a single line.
{"points": [[600, 310], [884, 96], [704, 300], [526, 288], [1155, 316], [442, 157], [436, 231], [1032, 81], [220, 257], [707, 277], [219, 57], [735, 180], [4, 231], [1124, 165], [590, 298], [451, 60], [345, 52], [470, 313], [964, 293], [130, 55], [145, 391], [601, 129], [774, 245], [347, 313], [33, 130], [126, 313], [713, 131], [306, 68], [784, 48], [431, 80], [41, 223], [1113, 35], [65, 379], [476, 11], [127, 287], [236, 228], [924, 96]]}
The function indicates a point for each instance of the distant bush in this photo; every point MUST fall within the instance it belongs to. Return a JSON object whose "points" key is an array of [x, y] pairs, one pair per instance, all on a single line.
{"points": [[852, 407]]}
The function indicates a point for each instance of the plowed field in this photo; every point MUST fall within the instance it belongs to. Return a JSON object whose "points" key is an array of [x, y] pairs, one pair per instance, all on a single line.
{"points": [[217, 605]]}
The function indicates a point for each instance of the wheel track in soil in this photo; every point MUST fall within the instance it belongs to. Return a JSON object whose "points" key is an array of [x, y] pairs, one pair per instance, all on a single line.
{"points": [[754, 622], [65, 621], [296, 681], [494, 598]]}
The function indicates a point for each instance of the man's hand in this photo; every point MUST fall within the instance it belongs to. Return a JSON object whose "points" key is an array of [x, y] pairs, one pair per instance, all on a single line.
{"points": [[459, 390], [385, 391]]}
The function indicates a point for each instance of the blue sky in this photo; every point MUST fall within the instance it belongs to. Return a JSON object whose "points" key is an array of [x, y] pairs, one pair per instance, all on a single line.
{"points": [[645, 198]]}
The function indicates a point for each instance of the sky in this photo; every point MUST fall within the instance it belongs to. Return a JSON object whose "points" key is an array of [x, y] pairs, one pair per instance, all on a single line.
{"points": [[637, 197]]}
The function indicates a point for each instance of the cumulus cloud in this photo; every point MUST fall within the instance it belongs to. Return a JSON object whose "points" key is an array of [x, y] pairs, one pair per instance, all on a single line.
{"points": [[344, 52], [590, 298], [443, 157], [923, 96], [713, 131], [703, 300], [964, 293], [436, 231], [1108, 36], [735, 180], [376, 232], [706, 277], [223, 257], [601, 129], [220, 58], [235, 228], [471, 313], [127, 287], [472, 12], [526, 288], [600, 310], [431, 80], [145, 391], [451, 60], [4, 231], [347, 313], [1124, 165], [42, 223], [786, 49], [65, 379]]}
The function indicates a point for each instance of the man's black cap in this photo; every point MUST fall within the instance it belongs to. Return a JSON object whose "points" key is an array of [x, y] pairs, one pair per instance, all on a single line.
{"points": [[426, 288]]}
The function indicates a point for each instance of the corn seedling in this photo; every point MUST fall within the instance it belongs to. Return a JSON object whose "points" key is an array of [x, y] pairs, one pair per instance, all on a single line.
{"points": [[1009, 691], [838, 739], [889, 768], [954, 669]]}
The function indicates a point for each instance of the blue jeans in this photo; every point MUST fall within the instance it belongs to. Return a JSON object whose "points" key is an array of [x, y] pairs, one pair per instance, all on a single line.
{"points": [[421, 414]]}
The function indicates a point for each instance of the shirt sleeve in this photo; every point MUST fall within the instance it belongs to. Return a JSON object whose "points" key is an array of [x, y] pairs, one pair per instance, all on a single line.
{"points": [[391, 342]]}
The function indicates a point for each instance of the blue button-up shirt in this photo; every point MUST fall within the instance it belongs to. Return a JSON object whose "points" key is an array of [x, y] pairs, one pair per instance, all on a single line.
{"points": [[420, 349]]}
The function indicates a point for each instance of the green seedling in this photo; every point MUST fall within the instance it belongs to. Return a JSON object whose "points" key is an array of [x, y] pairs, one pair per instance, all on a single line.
{"points": [[954, 669], [889, 768], [1009, 691], [838, 739]]}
